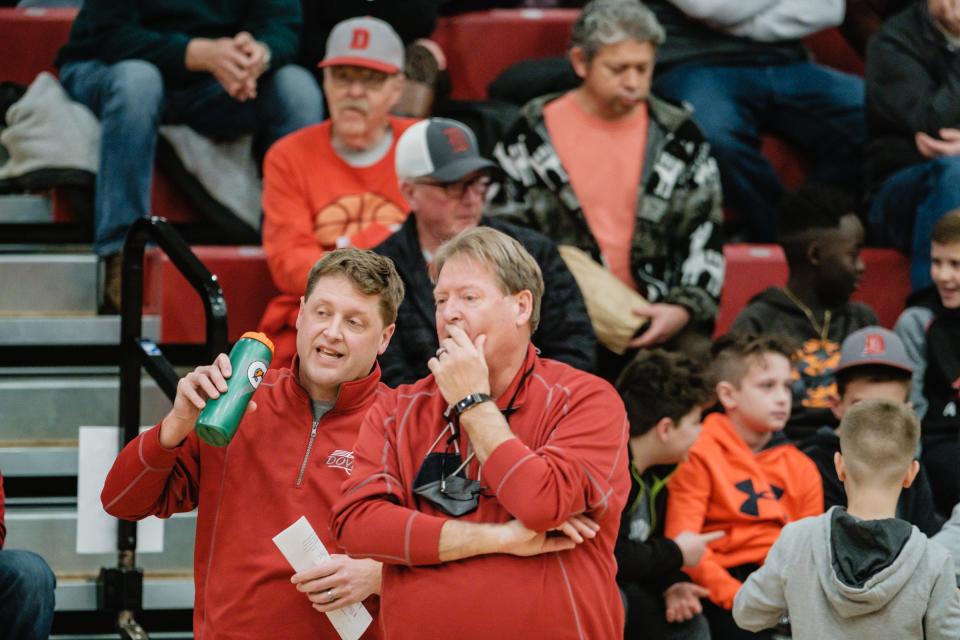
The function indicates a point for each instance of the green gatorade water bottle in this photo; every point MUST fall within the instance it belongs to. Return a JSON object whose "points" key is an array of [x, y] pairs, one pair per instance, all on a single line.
{"points": [[249, 360]]}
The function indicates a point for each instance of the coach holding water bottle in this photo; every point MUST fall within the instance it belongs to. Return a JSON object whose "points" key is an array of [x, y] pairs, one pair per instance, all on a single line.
{"points": [[288, 458]]}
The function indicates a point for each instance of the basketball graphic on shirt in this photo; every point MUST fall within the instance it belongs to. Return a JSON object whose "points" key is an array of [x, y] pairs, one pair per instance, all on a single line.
{"points": [[353, 213]]}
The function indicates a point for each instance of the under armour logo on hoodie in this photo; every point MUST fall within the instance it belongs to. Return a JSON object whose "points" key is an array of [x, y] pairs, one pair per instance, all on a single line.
{"points": [[751, 506]]}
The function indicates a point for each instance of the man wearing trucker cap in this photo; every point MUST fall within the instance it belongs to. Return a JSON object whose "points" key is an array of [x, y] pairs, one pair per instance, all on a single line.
{"points": [[333, 184], [444, 179]]}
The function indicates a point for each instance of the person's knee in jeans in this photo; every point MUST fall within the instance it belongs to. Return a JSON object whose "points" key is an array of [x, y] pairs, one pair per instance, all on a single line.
{"points": [[135, 90], [26, 595]]}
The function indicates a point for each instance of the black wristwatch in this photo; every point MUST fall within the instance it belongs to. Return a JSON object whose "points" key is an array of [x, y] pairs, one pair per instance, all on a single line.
{"points": [[470, 402]]}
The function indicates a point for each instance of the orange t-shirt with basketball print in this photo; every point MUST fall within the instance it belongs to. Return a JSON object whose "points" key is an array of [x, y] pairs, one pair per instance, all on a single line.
{"points": [[313, 201]]}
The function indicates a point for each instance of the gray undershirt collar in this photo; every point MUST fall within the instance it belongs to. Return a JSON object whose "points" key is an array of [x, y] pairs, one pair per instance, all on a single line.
{"points": [[320, 408], [367, 157]]}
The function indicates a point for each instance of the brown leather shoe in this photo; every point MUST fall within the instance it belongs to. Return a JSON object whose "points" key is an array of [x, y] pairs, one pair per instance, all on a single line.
{"points": [[113, 266]]}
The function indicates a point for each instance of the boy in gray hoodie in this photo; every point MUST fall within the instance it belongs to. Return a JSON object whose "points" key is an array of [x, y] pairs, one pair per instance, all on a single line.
{"points": [[859, 572]]}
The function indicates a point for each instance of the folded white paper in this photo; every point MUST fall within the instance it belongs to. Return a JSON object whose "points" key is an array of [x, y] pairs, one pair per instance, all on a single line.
{"points": [[302, 548]]}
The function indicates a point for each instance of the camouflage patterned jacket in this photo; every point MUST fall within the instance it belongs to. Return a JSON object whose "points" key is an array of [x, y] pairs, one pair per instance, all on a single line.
{"points": [[677, 249]]}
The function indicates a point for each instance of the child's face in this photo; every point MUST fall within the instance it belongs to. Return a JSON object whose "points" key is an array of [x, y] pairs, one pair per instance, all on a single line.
{"points": [[682, 435], [945, 272], [762, 403], [840, 265], [865, 389]]}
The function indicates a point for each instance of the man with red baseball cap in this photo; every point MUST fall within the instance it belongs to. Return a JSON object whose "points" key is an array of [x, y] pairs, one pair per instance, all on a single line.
{"points": [[334, 184]]}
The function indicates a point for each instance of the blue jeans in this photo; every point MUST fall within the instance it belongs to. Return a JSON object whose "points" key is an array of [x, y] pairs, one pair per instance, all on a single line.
{"points": [[813, 108], [26, 596], [132, 101], [907, 206]]}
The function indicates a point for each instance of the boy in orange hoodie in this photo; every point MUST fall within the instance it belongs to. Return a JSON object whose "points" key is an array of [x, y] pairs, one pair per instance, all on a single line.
{"points": [[743, 477]]}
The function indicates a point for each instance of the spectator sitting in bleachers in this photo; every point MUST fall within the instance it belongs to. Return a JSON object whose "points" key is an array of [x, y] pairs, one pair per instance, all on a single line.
{"points": [[742, 477], [742, 65], [334, 184], [859, 572], [444, 178], [873, 364], [930, 329], [664, 394], [625, 177], [26, 590], [821, 239], [221, 68], [913, 113]]}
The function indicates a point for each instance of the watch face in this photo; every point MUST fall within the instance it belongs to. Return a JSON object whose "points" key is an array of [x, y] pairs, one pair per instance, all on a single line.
{"points": [[469, 401]]}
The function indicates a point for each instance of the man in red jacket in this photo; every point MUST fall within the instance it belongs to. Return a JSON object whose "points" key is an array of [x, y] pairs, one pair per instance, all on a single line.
{"points": [[461, 478], [291, 453]]}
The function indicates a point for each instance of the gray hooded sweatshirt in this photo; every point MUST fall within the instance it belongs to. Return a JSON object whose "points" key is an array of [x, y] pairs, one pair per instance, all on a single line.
{"points": [[836, 576]]}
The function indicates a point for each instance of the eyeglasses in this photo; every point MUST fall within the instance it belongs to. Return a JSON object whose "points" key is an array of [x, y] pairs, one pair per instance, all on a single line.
{"points": [[456, 190], [369, 79]]}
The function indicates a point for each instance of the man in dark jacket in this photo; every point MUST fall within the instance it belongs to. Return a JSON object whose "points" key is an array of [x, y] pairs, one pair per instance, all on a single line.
{"points": [[913, 115], [220, 68], [443, 178]]}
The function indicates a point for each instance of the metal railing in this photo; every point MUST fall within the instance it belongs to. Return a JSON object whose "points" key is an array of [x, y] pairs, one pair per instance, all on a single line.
{"points": [[120, 589]]}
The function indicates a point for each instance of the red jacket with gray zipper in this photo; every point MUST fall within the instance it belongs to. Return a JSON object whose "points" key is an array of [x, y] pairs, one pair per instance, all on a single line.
{"points": [[280, 465]]}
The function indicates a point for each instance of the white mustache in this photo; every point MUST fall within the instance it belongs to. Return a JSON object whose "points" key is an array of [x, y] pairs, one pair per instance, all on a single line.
{"points": [[359, 105]]}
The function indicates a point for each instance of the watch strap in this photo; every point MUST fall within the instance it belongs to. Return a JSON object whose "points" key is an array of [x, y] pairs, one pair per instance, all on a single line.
{"points": [[470, 402]]}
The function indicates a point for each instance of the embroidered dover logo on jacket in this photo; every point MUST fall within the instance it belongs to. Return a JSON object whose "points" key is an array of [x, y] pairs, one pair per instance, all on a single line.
{"points": [[341, 459]]}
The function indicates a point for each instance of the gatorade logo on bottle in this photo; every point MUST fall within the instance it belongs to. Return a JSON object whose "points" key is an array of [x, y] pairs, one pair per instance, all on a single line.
{"points": [[255, 373]]}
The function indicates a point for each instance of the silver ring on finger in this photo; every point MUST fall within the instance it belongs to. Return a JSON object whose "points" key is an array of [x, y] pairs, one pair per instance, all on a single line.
{"points": [[330, 596], [441, 351]]}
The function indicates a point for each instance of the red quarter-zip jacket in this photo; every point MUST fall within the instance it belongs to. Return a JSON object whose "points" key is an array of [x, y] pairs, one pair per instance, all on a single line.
{"points": [[280, 465], [569, 456]]}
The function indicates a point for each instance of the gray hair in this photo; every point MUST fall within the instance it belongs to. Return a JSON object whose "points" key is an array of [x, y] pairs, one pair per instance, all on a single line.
{"points": [[604, 22]]}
